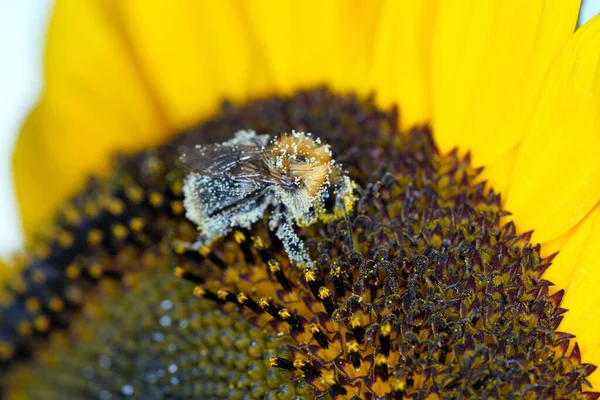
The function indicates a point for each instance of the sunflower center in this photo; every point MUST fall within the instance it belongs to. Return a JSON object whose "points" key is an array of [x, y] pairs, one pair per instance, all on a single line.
{"points": [[418, 292]]}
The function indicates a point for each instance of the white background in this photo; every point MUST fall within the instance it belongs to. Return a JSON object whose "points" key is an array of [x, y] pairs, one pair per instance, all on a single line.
{"points": [[22, 29]]}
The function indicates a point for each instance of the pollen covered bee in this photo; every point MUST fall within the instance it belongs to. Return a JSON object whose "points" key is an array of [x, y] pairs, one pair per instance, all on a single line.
{"points": [[292, 177]]}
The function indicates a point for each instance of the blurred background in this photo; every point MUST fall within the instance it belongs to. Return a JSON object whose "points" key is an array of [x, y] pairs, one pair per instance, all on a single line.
{"points": [[22, 28]]}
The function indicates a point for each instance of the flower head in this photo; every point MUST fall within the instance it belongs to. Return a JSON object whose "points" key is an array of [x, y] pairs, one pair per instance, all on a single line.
{"points": [[426, 287]]}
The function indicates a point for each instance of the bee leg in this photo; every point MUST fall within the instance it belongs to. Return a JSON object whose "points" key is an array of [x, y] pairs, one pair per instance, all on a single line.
{"points": [[185, 246], [283, 227]]}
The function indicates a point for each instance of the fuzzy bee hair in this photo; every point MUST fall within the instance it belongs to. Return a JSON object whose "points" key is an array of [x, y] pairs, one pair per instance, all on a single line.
{"points": [[292, 177]]}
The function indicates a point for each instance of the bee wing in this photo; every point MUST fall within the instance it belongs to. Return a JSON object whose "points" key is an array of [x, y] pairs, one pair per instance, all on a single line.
{"points": [[239, 162], [217, 159]]}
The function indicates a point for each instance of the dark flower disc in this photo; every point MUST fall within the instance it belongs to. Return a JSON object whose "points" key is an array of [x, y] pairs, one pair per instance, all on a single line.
{"points": [[419, 292]]}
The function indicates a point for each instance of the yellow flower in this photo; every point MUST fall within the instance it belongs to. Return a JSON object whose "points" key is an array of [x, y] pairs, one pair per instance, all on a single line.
{"points": [[508, 81]]}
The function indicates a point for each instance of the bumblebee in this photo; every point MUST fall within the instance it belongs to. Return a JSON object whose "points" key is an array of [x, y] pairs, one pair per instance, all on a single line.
{"points": [[293, 178]]}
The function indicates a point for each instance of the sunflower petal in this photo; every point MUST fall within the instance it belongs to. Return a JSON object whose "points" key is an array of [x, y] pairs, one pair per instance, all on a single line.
{"points": [[6, 271], [402, 58], [199, 53], [576, 268], [499, 172], [353, 45], [489, 62], [195, 53], [313, 42], [555, 182], [94, 101]]}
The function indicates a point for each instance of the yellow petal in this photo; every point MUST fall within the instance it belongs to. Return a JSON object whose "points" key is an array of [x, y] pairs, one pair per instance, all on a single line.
{"points": [[557, 172], [6, 271], [576, 268], [499, 173], [266, 46], [95, 100], [381, 47], [489, 61], [195, 53], [401, 72], [313, 42]]}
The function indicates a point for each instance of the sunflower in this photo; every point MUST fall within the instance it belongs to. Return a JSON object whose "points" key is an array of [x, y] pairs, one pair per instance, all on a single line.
{"points": [[511, 86]]}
